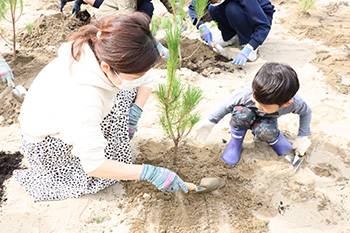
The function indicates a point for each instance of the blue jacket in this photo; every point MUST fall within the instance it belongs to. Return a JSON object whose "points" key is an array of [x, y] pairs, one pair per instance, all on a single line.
{"points": [[256, 11]]}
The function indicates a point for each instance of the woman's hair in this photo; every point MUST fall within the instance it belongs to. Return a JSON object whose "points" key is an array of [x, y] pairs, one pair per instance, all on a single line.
{"points": [[275, 83], [124, 42]]}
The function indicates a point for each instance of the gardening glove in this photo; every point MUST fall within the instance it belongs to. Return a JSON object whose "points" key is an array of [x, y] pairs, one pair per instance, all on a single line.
{"points": [[301, 144], [203, 131], [242, 57], [6, 72], [181, 24], [134, 116], [76, 8], [205, 34], [164, 52], [162, 178]]}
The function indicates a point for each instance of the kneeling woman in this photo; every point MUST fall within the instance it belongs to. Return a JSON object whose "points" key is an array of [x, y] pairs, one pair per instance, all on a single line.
{"points": [[75, 118]]}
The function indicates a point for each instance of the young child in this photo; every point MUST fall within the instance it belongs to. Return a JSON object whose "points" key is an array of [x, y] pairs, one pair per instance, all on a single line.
{"points": [[257, 107]]}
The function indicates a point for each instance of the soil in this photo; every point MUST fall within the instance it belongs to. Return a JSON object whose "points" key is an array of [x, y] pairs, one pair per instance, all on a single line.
{"points": [[260, 194], [8, 163]]}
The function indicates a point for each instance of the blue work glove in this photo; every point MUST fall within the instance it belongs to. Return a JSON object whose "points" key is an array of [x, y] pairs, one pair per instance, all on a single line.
{"points": [[181, 24], [242, 57], [6, 72], [205, 34], [162, 178], [76, 8], [163, 51], [134, 116]]}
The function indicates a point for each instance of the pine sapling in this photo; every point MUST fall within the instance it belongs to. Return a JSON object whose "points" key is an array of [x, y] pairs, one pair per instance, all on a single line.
{"points": [[176, 102], [16, 9]]}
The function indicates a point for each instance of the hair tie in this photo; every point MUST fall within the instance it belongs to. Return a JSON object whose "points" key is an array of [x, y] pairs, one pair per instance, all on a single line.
{"points": [[98, 34]]}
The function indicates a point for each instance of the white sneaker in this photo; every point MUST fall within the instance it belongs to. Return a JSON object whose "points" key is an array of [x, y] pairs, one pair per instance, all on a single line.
{"points": [[232, 41], [253, 55]]}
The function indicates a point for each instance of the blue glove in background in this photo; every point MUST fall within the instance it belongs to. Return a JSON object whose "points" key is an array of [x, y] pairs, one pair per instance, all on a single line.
{"points": [[162, 178], [7, 75], [205, 34], [181, 24], [76, 8], [242, 57], [163, 50], [134, 116]]}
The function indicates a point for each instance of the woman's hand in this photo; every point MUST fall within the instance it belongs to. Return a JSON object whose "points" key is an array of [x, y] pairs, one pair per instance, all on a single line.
{"points": [[162, 178]]}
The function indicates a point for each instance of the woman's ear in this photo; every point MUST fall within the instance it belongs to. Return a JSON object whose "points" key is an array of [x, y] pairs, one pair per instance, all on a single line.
{"points": [[288, 103], [105, 67]]}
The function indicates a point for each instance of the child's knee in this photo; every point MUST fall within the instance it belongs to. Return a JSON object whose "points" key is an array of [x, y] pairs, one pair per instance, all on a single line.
{"points": [[265, 131], [242, 118]]}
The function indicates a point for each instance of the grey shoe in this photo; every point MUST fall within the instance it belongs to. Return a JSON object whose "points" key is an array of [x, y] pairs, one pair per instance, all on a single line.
{"points": [[232, 41], [253, 55]]}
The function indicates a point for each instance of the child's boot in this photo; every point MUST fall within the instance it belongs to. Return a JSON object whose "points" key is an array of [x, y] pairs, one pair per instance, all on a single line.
{"points": [[281, 145], [232, 152]]}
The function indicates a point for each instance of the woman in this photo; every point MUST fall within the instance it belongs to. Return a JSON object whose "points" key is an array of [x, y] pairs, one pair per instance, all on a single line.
{"points": [[75, 136]]}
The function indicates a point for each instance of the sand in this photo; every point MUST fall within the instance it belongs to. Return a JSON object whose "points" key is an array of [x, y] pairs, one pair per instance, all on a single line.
{"points": [[261, 194]]}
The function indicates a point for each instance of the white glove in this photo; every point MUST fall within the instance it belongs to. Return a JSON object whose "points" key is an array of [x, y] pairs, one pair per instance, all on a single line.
{"points": [[301, 144], [203, 130]]}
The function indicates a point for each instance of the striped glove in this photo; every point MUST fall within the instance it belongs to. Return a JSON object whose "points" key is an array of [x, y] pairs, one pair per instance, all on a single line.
{"points": [[162, 178], [134, 116]]}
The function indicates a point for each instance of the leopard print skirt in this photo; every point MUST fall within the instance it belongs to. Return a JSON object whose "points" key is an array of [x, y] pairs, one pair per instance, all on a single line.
{"points": [[56, 174]]}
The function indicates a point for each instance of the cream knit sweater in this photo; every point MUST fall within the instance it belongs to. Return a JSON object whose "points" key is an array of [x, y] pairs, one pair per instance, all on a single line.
{"points": [[68, 100]]}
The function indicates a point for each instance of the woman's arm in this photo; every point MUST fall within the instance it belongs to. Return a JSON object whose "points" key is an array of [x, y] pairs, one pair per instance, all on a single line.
{"points": [[111, 169], [142, 96]]}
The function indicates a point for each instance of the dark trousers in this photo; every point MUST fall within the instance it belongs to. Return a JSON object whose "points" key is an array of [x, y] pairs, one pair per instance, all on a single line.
{"points": [[232, 21], [145, 6]]}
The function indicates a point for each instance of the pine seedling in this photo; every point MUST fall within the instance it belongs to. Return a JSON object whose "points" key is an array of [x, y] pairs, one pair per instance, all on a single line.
{"points": [[16, 8], [306, 4], [176, 103]]}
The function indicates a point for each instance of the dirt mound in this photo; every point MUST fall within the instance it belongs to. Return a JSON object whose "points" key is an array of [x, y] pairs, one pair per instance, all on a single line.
{"points": [[232, 205], [200, 58], [51, 30], [38, 48], [8, 163]]}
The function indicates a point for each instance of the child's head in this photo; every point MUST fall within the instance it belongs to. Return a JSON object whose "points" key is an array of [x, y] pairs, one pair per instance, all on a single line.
{"points": [[274, 86]]}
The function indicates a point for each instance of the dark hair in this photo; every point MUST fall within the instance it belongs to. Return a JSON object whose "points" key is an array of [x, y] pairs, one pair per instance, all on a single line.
{"points": [[124, 42], [275, 83]]}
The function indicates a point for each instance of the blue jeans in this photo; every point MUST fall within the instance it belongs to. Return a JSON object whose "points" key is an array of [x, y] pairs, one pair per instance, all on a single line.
{"points": [[232, 21]]}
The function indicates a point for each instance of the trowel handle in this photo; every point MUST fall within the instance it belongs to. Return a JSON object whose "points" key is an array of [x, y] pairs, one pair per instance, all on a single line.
{"points": [[191, 186]]}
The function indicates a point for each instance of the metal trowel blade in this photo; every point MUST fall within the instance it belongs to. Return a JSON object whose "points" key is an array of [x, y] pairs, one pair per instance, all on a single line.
{"points": [[297, 164]]}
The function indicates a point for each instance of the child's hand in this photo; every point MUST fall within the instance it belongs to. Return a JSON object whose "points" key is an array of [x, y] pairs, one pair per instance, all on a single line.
{"points": [[301, 144], [203, 131]]}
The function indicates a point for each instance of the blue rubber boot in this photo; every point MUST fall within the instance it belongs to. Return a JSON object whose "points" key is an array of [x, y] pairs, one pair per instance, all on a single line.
{"points": [[232, 152], [281, 145]]}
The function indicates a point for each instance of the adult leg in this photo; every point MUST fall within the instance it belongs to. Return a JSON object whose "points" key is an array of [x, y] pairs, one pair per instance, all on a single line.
{"points": [[218, 15], [238, 21], [145, 6]]}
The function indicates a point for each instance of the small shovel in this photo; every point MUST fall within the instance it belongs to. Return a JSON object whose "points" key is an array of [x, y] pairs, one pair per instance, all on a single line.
{"points": [[206, 185], [18, 92], [219, 50]]}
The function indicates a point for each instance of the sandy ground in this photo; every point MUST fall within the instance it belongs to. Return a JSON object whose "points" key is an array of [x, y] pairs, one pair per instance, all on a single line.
{"points": [[261, 194]]}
